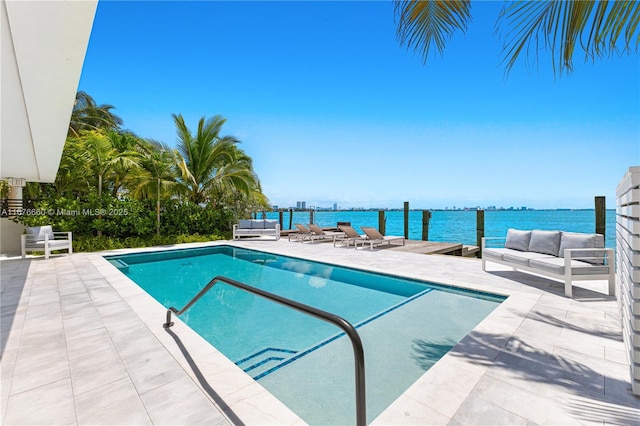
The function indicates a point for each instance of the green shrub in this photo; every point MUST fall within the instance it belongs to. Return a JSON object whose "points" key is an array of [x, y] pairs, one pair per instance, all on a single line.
{"points": [[125, 219], [91, 243], [185, 217]]}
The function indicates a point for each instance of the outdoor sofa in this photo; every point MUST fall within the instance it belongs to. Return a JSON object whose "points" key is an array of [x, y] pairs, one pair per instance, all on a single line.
{"points": [[42, 238], [256, 228], [566, 256]]}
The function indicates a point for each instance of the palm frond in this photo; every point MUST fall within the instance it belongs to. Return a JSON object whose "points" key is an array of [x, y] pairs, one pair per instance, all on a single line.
{"points": [[88, 115], [560, 27], [422, 24]]}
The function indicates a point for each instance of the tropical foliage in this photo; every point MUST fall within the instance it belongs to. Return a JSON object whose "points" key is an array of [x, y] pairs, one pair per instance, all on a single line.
{"points": [[117, 185], [209, 162], [87, 115], [562, 28]]}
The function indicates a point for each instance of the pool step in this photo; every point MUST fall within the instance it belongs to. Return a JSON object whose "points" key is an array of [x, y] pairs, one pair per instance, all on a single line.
{"points": [[263, 360], [120, 264]]}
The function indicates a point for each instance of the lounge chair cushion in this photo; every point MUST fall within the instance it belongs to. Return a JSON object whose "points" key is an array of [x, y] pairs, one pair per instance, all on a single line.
{"points": [[547, 242], [518, 240], [572, 240]]}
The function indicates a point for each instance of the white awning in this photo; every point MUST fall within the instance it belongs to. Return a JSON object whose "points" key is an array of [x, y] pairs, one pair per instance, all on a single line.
{"points": [[43, 49]]}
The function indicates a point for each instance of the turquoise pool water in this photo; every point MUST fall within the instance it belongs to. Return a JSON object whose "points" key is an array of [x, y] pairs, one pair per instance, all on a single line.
{"points": [[405, 325]]}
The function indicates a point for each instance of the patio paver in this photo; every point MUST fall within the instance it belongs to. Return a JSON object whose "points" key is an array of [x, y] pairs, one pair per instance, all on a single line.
{"points": [[82, 344]]}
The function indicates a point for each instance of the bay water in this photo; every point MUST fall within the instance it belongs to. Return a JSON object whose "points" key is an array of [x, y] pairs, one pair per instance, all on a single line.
{"points": [[459, 226]]}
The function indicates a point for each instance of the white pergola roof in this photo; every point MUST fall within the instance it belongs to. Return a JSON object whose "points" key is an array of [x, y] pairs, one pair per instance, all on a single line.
{"points": [[43, 47]]}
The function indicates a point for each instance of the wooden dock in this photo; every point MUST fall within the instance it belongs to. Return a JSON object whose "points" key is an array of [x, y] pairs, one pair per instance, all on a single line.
{"points": [[418, 246], [433, 247], [429, 247]]}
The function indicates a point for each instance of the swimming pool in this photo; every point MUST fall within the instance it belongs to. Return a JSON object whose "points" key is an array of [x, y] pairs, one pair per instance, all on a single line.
{"points": [[405, 325]]}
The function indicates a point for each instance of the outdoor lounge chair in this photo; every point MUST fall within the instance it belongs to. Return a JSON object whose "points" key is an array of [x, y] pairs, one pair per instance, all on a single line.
{"points": [[351, 236], [326, 235], [42, 238], [375, 238], [303, 233]]}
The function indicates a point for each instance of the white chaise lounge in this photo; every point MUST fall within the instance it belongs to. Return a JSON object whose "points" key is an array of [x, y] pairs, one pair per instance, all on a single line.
{"points": [[42, 238], [566, 256]]}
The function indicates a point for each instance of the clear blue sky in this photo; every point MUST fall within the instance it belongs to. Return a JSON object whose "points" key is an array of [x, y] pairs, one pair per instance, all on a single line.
{"points": [[332, 109]]}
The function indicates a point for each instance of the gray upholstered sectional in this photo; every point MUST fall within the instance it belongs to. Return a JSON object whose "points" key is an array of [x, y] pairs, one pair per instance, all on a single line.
{"points": [[256, 228], [567, 256]]}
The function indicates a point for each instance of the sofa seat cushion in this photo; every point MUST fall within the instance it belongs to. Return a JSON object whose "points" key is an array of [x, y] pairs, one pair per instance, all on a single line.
{"points": [[514, 256], [556, 265], [573, 240], [518, 240], [523, 257], [493, 253], [53, 244], [254, 231], [545, 242]]}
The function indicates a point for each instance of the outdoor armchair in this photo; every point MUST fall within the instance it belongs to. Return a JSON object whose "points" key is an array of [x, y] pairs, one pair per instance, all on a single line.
{"points": [[42, 238]]}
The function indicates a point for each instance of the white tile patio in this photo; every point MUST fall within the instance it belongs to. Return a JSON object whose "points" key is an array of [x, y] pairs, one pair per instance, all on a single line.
{"points": [[82, 344]]}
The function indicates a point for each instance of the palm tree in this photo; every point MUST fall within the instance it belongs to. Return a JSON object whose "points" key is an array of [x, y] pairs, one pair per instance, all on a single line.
{"points": [[209, 161], [159, 174], [126, 167], [598, 28], [244, 195], [87, 115], [74, 172], [105, 161]]}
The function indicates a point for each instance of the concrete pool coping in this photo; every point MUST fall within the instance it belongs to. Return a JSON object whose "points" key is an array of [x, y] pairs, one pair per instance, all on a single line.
{"points": [[94, 340]]}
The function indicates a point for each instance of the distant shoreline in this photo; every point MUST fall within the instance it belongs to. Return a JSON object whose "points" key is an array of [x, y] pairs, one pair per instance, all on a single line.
{"points": [[457, 225]]}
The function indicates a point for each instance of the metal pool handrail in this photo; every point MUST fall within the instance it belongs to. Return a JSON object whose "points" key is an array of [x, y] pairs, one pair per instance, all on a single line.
{"points": [[358, 351]]}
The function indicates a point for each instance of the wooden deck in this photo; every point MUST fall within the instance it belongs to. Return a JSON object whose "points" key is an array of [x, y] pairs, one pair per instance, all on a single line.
{"points": [[429, 247], [433, 247], [418, 246]]}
